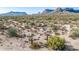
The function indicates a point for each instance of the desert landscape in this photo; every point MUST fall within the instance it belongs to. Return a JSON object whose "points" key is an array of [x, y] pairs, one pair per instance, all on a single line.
{"points": [[50, 30]]}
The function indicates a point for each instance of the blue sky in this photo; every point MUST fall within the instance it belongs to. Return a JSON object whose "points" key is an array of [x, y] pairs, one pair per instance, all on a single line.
{"points": [[28, 10]]}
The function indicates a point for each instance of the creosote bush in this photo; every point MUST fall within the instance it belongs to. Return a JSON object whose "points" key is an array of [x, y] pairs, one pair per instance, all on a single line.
{"points": [[56, 43], [12, 32]]}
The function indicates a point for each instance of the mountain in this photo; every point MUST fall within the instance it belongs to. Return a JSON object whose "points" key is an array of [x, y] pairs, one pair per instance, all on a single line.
{"points": [[12, 13], [47, 11], [61, 10], [58, 9], [71, 10]]}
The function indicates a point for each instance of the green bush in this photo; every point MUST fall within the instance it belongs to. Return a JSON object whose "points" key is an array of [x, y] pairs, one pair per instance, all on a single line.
{"points": [[56, 43], [12, 32], [74, 33]]}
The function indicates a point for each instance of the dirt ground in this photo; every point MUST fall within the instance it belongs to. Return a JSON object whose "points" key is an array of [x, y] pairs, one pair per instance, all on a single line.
{"points": [[21, 44]]}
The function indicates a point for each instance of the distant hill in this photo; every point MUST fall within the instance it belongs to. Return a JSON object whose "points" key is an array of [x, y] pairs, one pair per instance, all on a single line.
{"points": [[47, 11], [71, 10], [57, 10], [61, 10], [12, 13]]}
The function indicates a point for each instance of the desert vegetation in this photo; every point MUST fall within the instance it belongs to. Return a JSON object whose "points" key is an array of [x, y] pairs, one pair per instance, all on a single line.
{"points": [[12, 32], [75, 32], [39, 32], [56, 43]]}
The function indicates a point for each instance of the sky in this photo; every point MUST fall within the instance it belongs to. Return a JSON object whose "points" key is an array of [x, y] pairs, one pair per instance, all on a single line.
{"points": [[28, 10]]}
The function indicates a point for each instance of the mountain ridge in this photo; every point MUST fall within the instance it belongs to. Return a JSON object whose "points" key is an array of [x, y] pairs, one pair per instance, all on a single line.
{"points": [[12, 13], [59, 9], [46, 11]]}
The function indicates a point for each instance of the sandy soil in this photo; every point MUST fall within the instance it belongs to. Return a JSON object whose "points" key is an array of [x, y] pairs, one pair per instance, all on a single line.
{"points": [[22, 44]]}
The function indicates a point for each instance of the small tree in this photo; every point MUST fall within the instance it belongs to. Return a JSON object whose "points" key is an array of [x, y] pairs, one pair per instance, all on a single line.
{"points": [[56, 43]]}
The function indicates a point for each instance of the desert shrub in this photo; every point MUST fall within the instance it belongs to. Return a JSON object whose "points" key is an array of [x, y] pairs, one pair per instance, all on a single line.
{"points": [[12, 32], [2, 25], [55, 28], [48, 18], [35, 45], [74, 33], [56, 43], [20, 35], [57, 33]]}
